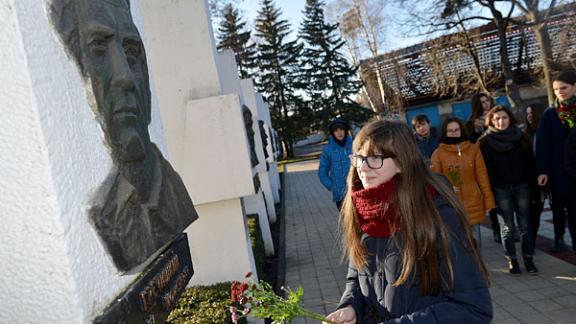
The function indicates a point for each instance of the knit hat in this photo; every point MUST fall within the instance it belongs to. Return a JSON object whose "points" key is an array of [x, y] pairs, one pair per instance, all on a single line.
{"points": [[337, 123]]}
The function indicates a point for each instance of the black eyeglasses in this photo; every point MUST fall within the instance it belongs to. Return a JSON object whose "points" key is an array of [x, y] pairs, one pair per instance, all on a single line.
{"points": [[373, 161]]}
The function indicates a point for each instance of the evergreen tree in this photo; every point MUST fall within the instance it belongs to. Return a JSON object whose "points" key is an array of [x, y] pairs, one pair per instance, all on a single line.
{"points": [[232, 35], [329, 78], [278, 65]]}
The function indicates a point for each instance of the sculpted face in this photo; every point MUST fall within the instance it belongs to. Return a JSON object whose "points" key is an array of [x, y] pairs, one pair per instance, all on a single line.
{"points": [[248, 123], [114, 60]]}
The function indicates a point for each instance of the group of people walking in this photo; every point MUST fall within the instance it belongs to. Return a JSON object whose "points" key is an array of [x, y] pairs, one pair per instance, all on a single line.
{"points": [[408, 232]]}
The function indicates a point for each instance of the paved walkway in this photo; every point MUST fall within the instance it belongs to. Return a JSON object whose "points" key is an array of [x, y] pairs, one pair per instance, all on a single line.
{"points": [[313, 260]]}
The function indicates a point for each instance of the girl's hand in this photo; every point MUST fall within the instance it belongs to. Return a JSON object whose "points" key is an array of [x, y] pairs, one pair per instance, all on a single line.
{"points": [[345, 315]]}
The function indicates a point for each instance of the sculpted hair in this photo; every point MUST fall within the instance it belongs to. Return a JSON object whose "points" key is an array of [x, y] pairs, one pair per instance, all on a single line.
{"points": [[423, 239], [64, 18]]}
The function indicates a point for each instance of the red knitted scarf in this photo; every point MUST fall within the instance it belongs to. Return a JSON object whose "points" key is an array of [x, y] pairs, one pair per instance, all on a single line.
{"points": [[376, 208]]}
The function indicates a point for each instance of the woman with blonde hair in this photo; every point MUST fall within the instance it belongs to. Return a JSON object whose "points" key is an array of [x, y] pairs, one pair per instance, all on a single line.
{"points": [[411, 253]]}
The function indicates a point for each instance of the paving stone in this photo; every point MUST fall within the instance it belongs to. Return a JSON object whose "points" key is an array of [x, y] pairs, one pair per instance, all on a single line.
{"points": [[313, 260], [545, 305]]}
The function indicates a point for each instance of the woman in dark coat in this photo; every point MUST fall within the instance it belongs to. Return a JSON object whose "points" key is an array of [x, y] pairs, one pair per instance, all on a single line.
{"points": [[537, 194], [405, 233], [507, 151], [571, 154], [555, 124]]}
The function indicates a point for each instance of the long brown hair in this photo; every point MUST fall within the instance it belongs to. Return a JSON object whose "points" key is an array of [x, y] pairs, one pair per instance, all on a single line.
{"points": [[421, 227], [537, 111], [476, 104]]}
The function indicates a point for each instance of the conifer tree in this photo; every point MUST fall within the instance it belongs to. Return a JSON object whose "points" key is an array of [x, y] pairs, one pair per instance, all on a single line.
{"points": [[233, 35], [329, 78], [277, 69]]}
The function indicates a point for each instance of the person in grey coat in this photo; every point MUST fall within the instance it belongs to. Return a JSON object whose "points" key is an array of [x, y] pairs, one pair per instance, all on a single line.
{"points": [[412, 256]]}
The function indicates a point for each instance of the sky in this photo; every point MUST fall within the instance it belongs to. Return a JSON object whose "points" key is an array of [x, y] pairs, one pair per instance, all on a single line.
{"points": [[395, 37], [292, 11]]}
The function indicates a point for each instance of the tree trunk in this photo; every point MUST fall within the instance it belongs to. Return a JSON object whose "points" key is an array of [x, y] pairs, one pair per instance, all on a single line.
{"points": [[289, 146], [512, 90], [543, 38], [381, 89]]}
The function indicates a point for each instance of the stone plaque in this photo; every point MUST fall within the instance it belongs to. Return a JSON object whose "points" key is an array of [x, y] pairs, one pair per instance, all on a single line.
{"points": [[155, 293]]}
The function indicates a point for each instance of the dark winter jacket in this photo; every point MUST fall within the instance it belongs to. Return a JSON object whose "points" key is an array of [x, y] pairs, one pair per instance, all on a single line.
{"points": [[371, 293], [472, 133], [571, 154], [550, 145], [427, 145], [334, 167], [514, 166]]}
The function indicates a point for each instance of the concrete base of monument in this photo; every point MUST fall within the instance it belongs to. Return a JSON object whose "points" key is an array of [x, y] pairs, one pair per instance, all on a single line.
{"points": [[220, 243]]}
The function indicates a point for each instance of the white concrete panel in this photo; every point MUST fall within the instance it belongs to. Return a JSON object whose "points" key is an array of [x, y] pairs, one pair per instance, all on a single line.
{"points": [[254, 205], [249, 93], [180, 47], [52, 265], [268, 197], [275, 182], [263, 109], [220, 244], [216, 151], [228, 71]]}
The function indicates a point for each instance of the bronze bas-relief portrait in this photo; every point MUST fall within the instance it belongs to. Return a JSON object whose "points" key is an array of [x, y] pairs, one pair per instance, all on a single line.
{"points": [[248, 124], [143, 204]]}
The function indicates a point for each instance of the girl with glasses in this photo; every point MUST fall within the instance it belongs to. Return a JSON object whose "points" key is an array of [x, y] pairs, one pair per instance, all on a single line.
{"points": [[410, 250]]}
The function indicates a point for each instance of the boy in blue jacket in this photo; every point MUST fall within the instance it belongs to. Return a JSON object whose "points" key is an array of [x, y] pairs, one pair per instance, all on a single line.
{"points": [[335, 161], [425, 135]]}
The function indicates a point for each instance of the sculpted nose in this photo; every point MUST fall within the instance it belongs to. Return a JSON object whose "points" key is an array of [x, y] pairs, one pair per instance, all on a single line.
{"points": [[122, 76]]}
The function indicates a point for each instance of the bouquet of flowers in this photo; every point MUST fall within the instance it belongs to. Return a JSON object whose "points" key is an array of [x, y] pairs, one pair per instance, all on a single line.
{"points": [[262, 302]]}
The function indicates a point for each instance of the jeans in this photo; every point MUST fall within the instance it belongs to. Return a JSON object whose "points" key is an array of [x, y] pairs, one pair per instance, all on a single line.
{"points": [[515, 199], [564, 210]]}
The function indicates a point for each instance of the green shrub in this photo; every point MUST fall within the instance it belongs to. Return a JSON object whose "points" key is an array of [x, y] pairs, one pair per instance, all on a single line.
{"points": [[257, 243], [203, 305], [211, 304]]}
